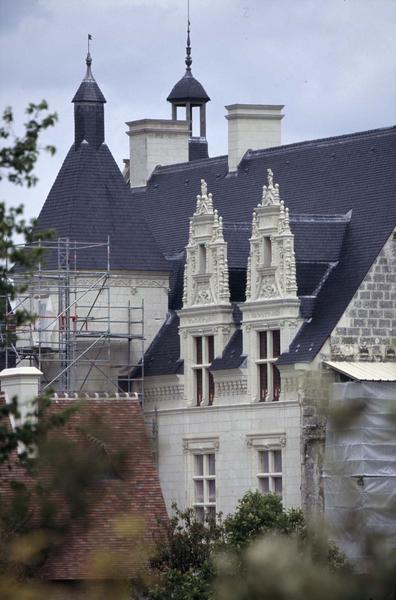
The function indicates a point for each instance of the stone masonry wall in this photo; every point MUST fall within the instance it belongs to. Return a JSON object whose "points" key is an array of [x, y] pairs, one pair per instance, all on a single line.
{"points": [[315, 388], [367, 330]]}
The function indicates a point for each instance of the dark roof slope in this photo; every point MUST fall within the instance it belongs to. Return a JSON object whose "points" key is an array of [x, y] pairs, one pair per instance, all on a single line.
{"points": [[331, 176], [188, 89], [90, 201], [163, 355]]}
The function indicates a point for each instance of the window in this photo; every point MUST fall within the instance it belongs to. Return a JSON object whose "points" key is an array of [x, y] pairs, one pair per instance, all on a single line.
{"points": [[270, 471], [202, 258], [204, 382], [267, 252], [204, 480], [269, 381]]}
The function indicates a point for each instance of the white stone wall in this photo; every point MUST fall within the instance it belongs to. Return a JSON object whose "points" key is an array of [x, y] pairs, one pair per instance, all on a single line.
{"points": [[232, 430], [252, 127], [155, 142]]}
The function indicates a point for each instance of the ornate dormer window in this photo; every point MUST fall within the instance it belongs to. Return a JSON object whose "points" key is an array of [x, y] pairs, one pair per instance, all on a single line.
{"points": [[271, 266], [206, 322], [271, 310], [206, 270]]}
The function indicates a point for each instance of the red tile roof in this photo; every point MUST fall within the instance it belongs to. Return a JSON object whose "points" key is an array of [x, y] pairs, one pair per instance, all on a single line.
{"points": [[127, 508]]}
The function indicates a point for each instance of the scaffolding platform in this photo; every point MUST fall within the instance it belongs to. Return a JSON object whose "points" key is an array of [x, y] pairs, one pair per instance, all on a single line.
{"points": [[77, 336]]}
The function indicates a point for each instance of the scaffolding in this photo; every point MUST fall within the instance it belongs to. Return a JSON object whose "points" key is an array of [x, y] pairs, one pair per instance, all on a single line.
{"points": [[76, 335]]}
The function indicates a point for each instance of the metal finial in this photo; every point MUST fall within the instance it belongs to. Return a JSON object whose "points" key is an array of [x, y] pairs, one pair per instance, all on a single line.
{"points": [[88, 62], [188, 47]]}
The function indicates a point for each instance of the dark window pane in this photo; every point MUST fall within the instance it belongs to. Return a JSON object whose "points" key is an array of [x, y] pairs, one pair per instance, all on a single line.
{"points": [[211, 513], [212, 490], [263, 344], [210, 348], [202, 258], [198, 350], [198, 467], [199, 490], [276, 343], [278, 485], [276, 382], [200, 513], [263, 382], [211, 387], [198, 385], [264, 485], [211, 464], [264, 462], [278, 461]]}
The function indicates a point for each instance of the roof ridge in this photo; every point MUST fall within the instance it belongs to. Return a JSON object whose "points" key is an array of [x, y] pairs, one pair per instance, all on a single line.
{"points": [[193, 163], [319, 141]]}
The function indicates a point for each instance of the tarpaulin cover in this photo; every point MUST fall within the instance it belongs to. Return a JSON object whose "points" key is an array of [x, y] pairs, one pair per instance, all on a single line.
{"points": [[360, 466]]}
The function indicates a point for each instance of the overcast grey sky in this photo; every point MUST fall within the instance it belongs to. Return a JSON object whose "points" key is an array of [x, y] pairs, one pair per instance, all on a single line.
{"points": [[331, 62]]}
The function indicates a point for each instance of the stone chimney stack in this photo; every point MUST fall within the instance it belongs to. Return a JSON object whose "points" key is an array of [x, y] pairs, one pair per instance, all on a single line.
{"points": [[252, 127], [155, 142], [22, 383]]}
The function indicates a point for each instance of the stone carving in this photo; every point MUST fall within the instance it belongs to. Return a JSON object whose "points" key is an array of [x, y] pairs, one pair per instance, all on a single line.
{"points": [[272, 238], [268, 288], [204, 201], [232, 387], [185, 284], [164, 392], [206, 255], [255, 231], [249, 279], [270, 196]]}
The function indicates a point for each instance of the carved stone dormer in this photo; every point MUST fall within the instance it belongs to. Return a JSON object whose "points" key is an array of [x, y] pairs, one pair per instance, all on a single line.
{"points": [[206, 322], [206, 269], [271, 311], [271, 270]]}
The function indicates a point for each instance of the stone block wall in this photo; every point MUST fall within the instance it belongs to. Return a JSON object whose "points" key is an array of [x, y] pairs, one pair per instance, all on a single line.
{"points": [[367, 330], [232, 431]]}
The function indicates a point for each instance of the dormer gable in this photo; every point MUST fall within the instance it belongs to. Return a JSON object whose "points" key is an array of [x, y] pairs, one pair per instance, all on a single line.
{"points": [[206, 269], [271, 270]]}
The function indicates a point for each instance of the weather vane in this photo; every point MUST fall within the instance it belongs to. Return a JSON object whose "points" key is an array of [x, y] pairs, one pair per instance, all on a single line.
{"points": [[89, 39]]}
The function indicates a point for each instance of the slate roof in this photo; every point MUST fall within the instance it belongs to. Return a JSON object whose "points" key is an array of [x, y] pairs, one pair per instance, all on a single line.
{"points": [[135, 493], [163, 355], [188, 89], [90, 201], [341, 196], [232, 356]]}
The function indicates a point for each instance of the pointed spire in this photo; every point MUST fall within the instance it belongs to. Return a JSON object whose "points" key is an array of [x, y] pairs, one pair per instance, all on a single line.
{"points": [[88, 108], [188, 60], [88, 62], [89, 90]]}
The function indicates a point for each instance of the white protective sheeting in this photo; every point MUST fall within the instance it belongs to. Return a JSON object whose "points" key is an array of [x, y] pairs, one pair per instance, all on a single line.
{"points": [[365, 371], [360, 466]]}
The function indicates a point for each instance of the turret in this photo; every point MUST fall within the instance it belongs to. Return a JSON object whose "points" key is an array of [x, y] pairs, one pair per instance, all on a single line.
{"points": [[188, 93], [88, 110]]}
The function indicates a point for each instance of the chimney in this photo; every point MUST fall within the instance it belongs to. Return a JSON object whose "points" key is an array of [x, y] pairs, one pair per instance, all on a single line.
{"points": [[252, 127], [22, 382], [155, 142]]}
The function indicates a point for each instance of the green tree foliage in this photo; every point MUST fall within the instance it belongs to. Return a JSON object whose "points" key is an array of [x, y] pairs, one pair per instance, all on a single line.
{"points": [[196, 556], [18, 156]]}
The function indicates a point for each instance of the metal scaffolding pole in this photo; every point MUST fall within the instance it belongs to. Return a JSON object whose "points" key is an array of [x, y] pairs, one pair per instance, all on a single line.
{"points": [[77, 336]]}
